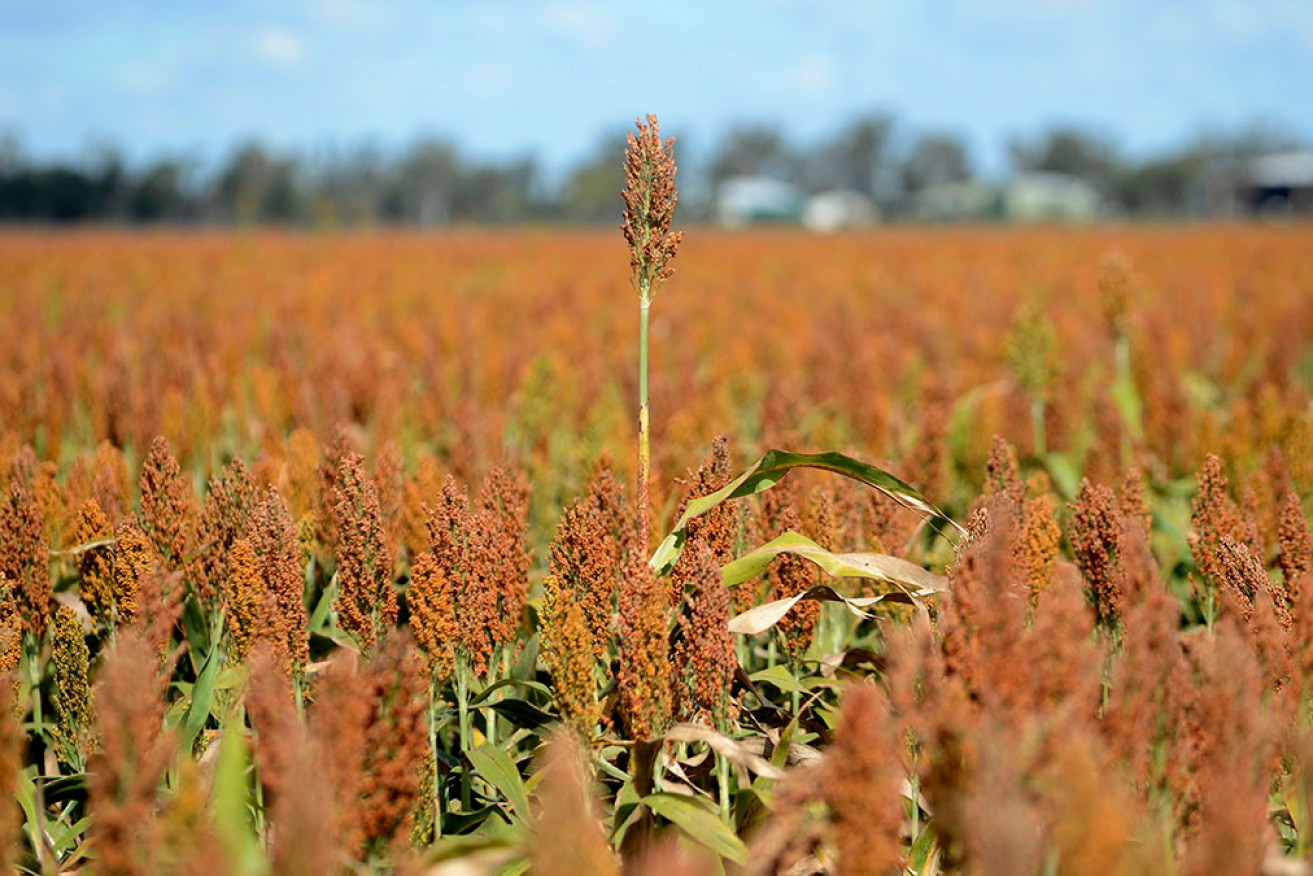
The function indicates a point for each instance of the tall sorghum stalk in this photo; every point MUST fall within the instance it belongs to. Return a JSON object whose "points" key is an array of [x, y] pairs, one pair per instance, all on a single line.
{"points": [[650, 199]]}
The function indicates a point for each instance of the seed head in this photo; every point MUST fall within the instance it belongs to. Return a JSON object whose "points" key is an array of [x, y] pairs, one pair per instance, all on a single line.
{"points": [[397, 737], [459, 539], [862, 785], [124, 778], [133, 560], [366, 601], [1295, 546], [587, 553], [279, 559], [75, 726], [432, 605], [568, 655], [645, 670], [244, 596], [24, 559], [1033, 354], [707, 657], [168, 505], [1095, 540], [504, 513], [568, 835], [95, 566], [225, 517], [650, 198]]}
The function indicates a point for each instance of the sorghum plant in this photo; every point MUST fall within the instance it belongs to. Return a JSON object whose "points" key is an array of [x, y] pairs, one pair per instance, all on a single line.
{"points": [[649, 198]]}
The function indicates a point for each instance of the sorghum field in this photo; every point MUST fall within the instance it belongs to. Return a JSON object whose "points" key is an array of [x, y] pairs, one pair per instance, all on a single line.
{"points": [[323, 553]]}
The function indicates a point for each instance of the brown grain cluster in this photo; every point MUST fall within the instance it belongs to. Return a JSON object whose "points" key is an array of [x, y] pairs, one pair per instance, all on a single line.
{"points": [[645, 672], [862, 786], [479, 565], [134, 752], [225, 517], [587, 552], [278, 557], [705, 656], [569, 838], [568, 655], [95, 565], [649, 205], [168, 505], [366, 601], [24, 557]]}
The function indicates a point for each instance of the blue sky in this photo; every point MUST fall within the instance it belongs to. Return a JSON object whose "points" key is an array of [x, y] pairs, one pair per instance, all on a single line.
{"points": [[503, 77]]}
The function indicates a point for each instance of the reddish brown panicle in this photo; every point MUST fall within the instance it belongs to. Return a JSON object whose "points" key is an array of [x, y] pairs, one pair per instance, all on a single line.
{"points": [[650, 198]]}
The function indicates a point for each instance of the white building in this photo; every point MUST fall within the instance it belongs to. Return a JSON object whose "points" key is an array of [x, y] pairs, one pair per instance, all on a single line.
{"points": [[753, 200], [837, 210]]}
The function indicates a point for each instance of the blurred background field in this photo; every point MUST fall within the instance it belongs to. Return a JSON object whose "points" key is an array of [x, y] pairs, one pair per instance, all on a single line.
{"points": [[460, 348]]}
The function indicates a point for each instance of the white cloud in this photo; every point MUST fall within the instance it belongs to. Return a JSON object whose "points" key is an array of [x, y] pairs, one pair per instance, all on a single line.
{"points": [[141, 80], [490, 77], [279, 47], [813, 75], [586, 23]]}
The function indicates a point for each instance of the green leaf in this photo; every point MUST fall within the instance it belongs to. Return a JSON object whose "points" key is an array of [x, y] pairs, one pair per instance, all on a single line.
{"points": [[520, 713], [780, 677], [626, 807], [1066, 475], [768, 614], [770, 470], [197, 630], [198, 709], [458, 825], [496, 767], [535, 686], [63, 838], [26, 796], [919, 855], [319, 616], [230, 807], [700, 822], [514, 868], [879, 567]]}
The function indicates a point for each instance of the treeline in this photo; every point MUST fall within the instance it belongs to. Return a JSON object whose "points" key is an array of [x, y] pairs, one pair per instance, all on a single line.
{"points": [[433, 183]]}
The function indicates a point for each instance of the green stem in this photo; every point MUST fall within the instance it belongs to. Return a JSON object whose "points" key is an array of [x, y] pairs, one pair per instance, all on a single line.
{"points": [[1122, 358], [433, 752], [463, 707], [45, 855], [916, 808], [644, 452], [298, 691], [722, 777], [1037, 427]]}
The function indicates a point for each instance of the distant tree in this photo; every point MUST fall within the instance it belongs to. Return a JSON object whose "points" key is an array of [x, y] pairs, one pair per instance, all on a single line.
{"points": [[496, 193], [157, 195], [858, 157], [756, 150], [1071, 150], [424, 184], [935, 159], [592, 190], [256, 185], [1166, 186]]}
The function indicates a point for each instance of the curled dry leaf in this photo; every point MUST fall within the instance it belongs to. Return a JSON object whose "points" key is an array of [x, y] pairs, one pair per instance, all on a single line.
{"points": [[733, 751], [764, 616]]}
